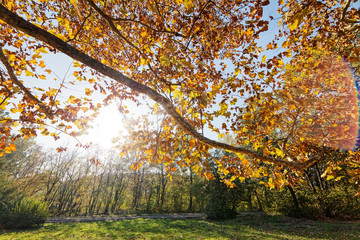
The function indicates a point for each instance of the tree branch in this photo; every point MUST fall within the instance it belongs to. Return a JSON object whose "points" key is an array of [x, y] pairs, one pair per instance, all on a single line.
{"points": [[193, 24], [112, 25], [16, 81], [4, 100], [44, 36], [346, 7], [81, 27], [9, 92], [147, 26], [118, 33]]}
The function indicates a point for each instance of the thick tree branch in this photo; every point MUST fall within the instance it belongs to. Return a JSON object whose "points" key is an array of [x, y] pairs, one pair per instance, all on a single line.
{"points": [[42, 35]]}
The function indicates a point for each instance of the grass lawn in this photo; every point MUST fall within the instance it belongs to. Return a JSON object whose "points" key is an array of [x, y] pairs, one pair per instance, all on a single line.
{"points": [[252, 226]]}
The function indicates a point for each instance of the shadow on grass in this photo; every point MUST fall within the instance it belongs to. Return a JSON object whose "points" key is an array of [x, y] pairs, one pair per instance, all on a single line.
{"points": [[246, 226], [48, 227], [174, 229], [254, 226], [292, 227]]}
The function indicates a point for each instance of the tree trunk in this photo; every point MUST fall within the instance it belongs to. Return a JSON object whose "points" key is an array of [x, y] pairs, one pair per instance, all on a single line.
{"points": [[293, 195], [190, 209]]}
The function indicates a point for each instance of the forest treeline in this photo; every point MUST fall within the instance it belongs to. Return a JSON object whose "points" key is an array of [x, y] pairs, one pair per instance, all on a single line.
{"points": [[70, 183]]}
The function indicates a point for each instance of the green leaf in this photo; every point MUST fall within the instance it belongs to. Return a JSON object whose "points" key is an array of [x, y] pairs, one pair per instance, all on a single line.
{"points": [[164, 60]]}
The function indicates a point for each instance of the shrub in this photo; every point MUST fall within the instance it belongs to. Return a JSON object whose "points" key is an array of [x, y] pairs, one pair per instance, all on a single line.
{"points": [[24, 214], [222, 201], [338, 201], [341, 202]]}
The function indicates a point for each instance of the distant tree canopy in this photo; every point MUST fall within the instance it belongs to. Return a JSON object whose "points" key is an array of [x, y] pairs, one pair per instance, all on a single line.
{"points": [[287, 101]]}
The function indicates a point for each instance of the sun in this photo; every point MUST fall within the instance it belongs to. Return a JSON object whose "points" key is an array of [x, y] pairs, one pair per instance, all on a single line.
{"points": [[107, 125]]}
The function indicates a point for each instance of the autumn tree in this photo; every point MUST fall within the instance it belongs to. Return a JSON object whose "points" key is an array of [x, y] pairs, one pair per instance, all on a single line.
{"points": [[202, 62]]}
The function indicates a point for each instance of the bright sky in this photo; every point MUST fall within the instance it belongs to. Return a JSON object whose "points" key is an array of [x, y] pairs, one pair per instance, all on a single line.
{"points": [[107, 125]]}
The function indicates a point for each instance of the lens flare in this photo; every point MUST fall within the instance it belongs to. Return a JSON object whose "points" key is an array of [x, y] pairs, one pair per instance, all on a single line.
{"points": [[323, 102], [357, 83], [345, 133]]}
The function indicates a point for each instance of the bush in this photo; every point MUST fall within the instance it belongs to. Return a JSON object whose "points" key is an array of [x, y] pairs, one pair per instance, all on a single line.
{"points": [[222, 201], [24, 214], [338, 201], [218, 209], [341, 202]]}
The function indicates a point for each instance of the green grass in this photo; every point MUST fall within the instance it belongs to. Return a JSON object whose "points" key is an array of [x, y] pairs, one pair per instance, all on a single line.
{"points": [[254, 226]]}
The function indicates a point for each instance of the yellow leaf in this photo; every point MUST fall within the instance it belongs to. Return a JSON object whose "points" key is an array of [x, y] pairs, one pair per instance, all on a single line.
{"points": [[15, 110], [42, 77], [294, 25], [7, 150], [247, 116], [143, 62], [279, 152], [11, 58], [329, 177], [263, 59], [15, 124], [12, 147], [52, 92], [78, 124], [194, 95], [28, 73], [261, 74], [280, 63], [88, 92], [296, 22], [176, 93], [249, 32], [271, 183], [43, 50], [338, 178], [188, 4], [76, 64]]}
